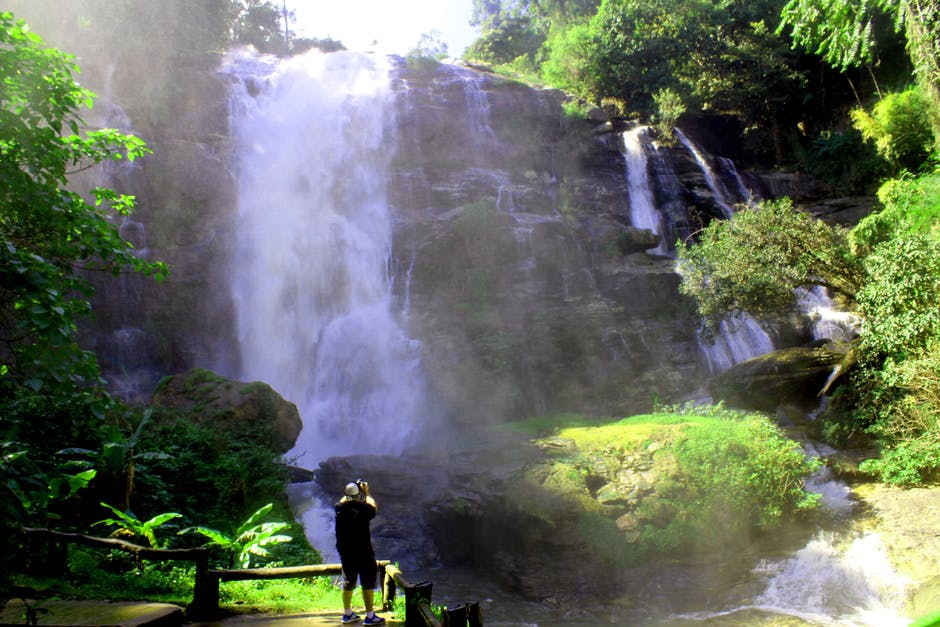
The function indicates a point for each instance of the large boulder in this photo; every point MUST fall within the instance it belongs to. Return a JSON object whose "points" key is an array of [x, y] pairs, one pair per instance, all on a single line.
{"points": [[252, 409], [789, 376]]}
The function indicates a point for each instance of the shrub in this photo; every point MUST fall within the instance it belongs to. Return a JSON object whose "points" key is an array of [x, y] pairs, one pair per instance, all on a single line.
{"points": [[733, 476], [669, 107], [901, 299], [899, 128]]}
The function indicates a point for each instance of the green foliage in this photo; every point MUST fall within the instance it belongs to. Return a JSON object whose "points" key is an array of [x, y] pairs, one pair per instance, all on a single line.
{"points": [[115, 458], [841, 32], [115, 576], [899, 127], [669, 107], [507, 37], [129, 524], [51, 236], [211, 477], [570, 61], [846, 162], [901, 298], [744, 473], [250, 539], [35, 490], [429, 46], [719, 474], [911, 207], [257, 23], [754, 261]]}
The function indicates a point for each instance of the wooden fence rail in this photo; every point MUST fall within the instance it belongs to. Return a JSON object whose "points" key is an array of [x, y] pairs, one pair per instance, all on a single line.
{"points": [[418, 610]]}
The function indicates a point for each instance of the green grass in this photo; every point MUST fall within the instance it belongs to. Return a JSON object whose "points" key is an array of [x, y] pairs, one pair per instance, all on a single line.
{"points": [[98, 575]]}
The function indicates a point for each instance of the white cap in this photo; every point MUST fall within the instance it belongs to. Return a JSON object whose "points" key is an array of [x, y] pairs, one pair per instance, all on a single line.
{"points": [[351, 489]]}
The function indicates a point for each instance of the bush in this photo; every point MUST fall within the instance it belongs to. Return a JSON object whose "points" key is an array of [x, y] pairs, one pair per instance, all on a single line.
{"points": [[733, 476], [911, 206], [899, 128], [901, 299], [714, 475]]}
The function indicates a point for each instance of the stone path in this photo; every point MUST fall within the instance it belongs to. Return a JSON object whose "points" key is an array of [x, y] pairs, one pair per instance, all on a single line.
{"points": [[130, 614], [313, 619], [73, 613]]}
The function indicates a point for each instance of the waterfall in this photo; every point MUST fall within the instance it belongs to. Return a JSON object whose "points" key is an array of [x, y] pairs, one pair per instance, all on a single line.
{"points": [[825, 320], [643, 212], [314, 136], [831, 583], [718, 189], [737, 340]]}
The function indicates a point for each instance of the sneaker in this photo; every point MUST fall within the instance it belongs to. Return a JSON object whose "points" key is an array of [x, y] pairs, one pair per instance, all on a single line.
{"points": [[350, 618], [375, 619]]}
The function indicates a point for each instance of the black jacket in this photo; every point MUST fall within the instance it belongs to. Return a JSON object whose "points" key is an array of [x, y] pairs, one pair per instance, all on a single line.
{"points": [[352, 527]]}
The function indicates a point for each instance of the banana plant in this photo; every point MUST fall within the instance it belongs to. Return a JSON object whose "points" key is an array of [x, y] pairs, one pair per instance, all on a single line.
{"points": [[116, 458], [129, 524], [249, 539]]}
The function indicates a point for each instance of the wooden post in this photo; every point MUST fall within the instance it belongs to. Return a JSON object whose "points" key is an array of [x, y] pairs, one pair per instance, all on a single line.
{"points": [[389, 588], [413, 596], [454, 616], [205, 589], [474, 615]]}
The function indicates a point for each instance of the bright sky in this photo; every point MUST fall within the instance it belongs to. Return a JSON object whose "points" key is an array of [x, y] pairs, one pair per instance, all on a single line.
{"points": [[396, 25]]}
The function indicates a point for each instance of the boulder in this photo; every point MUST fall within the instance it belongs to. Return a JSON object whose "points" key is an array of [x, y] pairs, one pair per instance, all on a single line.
{"points": [[253, 409], [789, 376]]}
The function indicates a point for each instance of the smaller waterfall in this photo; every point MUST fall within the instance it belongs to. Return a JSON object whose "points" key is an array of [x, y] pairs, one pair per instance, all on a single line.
{"points": [[737, 340], [829, 583], [719, 191], [643, 212], [478, 110], [825, 320]]}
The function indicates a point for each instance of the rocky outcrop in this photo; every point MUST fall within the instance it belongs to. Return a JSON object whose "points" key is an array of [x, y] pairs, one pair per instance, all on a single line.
{"points": [[555, 517], [254, 410], [530, 289], [791, 376]]}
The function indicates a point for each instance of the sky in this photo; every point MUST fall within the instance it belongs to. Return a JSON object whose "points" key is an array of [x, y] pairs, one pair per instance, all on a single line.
{"points": [[395, 25]]}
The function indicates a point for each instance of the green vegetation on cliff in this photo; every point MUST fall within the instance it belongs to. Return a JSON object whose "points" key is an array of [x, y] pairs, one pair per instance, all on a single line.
{"points": [[681, 479], [891, 382]]}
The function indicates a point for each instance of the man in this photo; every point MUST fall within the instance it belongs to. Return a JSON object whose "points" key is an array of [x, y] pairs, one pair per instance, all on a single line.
{"points": [[354, 542]]}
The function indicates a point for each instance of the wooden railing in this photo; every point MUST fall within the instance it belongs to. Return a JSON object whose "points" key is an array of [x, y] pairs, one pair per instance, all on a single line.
{"points": [[418, 610]]}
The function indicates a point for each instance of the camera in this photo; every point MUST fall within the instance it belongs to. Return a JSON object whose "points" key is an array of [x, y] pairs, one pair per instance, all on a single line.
{"points": [[362, 484]]}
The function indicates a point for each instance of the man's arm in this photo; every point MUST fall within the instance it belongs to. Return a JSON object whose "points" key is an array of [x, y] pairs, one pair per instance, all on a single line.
{"points": [[371, 501]]}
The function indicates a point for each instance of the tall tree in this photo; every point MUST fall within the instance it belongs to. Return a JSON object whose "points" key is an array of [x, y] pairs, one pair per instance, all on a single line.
{"points": [[52, 236]]}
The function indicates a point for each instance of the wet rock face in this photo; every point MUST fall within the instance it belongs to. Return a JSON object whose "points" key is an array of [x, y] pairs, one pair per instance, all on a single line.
{"points": [[529, 288]]}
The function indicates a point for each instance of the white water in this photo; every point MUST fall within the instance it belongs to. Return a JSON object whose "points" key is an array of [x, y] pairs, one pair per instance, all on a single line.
{"points": [[718, 189], [643, 211], [737, 340], [826, 320], [836, 583], [310, 278]]}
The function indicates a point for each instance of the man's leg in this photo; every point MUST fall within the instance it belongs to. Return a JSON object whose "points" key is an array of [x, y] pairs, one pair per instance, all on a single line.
{"points": [[368, 595], [347, 600]]}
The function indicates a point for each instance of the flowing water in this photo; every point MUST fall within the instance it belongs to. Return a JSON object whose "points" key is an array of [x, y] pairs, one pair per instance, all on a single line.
{"points": [[314, 138], [311, 282], [643, 213]]}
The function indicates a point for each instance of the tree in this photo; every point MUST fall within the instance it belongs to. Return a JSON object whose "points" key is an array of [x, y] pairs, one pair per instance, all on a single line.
{"points": [[754, 261], [844, 34], [51, 236]]}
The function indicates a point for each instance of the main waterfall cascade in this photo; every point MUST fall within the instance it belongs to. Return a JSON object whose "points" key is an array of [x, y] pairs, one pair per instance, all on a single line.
{"points": [[316, 319]]}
